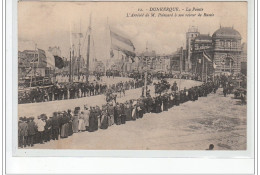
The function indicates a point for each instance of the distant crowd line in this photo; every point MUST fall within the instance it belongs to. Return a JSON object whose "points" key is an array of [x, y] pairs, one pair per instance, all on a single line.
{"points": [[33, 130]]}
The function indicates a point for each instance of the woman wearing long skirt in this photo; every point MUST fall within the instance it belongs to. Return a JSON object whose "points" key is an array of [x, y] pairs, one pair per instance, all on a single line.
{"points": [[75, 122], [123, 114], [116, 114], [134, 112], [64, 127], [104, 120], [111, 114], [81, 123], [86, 118], [70, 130], [91, 120], [98, 113], [128, 112], [95, 119]]}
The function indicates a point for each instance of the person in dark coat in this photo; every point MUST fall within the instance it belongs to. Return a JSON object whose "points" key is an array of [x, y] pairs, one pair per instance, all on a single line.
{"points": [[111, 114], [47, 130], [225, 91], [158, 104], [117, 114], [104, 118], [165, 101], [177, 98], [123, 113], [91, 120], [32, 128], [149, 104], [70, 130], [23, 132], [55, 126], [142, 109], [128, 111], [98, 114], [19, 132], [65, 126], [95, 111]]}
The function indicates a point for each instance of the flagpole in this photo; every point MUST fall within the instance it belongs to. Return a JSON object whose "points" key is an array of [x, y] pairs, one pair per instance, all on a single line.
{"points": [[88, 50], [206, 72], [38, 60], [145, 77], [213, 73], [202, 72], [181, 57], [70, 68]]}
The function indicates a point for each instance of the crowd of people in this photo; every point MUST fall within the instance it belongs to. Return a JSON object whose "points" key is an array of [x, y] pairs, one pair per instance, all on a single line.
{"points": [[41, 129], [63, 91]]}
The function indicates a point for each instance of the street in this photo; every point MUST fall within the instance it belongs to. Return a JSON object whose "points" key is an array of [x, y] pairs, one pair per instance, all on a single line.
{"points": [[35, 109], [214, 120]]}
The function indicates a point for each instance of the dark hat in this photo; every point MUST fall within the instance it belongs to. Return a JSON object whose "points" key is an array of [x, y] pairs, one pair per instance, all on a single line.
{"points": [[77, 108], [69, 110]]}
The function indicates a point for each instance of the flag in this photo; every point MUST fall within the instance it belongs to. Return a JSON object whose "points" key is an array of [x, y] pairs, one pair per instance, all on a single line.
{"points": [[122, 43], [206, 56], [59, 63], [50, 60]]}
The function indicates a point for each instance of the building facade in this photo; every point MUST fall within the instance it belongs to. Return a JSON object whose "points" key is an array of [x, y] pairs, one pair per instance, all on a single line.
{"points": [[227, 50], [192, 33], [219, 53], [31, 63], [202, 43]]}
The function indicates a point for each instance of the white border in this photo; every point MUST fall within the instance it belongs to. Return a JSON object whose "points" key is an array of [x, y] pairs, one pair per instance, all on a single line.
{"points": [[238, 162]]}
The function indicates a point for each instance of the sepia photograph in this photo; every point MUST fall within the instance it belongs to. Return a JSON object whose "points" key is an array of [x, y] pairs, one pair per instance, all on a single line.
{"points": [[132, 75]]}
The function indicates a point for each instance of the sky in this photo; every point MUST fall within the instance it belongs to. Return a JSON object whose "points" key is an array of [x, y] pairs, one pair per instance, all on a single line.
{"points": [[49, 24]]}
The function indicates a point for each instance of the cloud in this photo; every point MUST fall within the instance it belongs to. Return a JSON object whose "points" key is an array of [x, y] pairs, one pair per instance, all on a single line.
{"points": [[48, 24]]}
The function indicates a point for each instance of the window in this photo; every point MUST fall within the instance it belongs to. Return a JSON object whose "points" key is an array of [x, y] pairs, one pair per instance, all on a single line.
{"points": [[222, 43], [228, 43], [229, 61]]}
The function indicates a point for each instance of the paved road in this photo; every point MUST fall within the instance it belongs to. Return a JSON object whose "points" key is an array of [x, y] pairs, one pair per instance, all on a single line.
{"points": [[35, 109], [214, 120]]}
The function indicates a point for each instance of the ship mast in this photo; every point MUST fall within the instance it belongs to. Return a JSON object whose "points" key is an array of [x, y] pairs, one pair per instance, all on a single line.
{"points": [[79, 58], [88, 50]]}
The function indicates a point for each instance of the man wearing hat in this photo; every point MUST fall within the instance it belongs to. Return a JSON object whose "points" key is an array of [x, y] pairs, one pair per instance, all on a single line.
{"points": [[47, 129], [32, 128], [75, 120], [111, 113], [23, 132], [40, 125], [70, 130], [55, 126]]}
